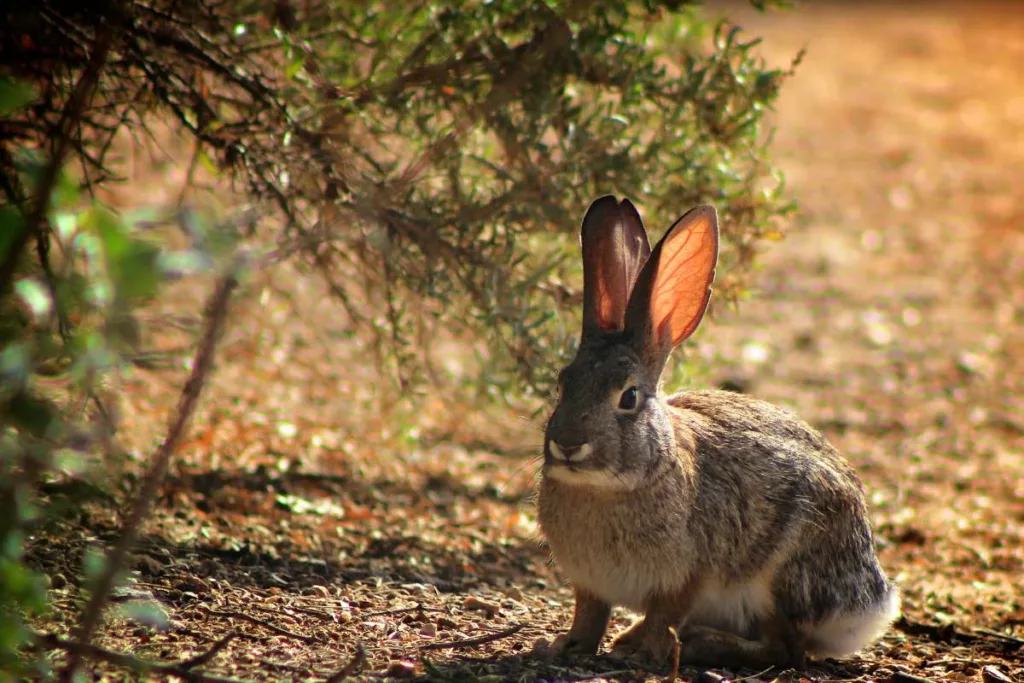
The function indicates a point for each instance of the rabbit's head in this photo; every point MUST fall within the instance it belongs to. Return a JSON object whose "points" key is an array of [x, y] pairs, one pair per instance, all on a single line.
{"points": [[609, 428]]}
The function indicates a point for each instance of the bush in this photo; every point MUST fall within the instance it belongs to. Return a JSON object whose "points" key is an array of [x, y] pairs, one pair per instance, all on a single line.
{"points": [[66, 331], [433, 163], [430, 162]]}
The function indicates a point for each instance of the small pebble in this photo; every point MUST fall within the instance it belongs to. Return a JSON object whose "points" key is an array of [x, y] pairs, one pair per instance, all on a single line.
{"points": [[991, 674], [322, 590], [192, 585], [903, 677], [401, 669], [428, 630], [710, 677], [474, 603]]}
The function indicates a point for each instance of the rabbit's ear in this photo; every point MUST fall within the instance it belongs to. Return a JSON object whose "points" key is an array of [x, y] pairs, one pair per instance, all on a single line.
{"points": [[673, 290], [615, 248]]}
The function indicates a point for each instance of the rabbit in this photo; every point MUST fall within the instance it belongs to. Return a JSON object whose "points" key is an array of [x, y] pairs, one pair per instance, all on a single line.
{"points": [[727, 522]]}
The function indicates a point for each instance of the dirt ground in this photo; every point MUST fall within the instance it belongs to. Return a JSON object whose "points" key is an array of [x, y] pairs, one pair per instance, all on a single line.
{"points": [[892, 317]]}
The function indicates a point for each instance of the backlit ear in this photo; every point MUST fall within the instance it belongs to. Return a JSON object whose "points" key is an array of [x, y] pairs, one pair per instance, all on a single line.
{"points": [[673, 290], [615, 248]]}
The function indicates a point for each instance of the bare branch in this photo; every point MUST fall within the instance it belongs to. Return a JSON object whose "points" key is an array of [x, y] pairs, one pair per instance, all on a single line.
{"points": [[259, 622], [473, 642], [182, 670], [216, 314]]}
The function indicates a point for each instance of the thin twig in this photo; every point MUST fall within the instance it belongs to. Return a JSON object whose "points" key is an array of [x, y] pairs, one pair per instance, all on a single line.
{"points": [[1005, 637], [943, 633], [673, 673], [193, 163], [271, 664], [260, 622], [418, 607], [216, 315], [179, 669], [352, 667], [205, 657], [324, 616], [755, 677], [904, 677], [473, 642]]}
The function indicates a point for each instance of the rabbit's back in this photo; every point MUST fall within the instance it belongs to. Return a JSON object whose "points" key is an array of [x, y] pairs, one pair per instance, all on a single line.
{"points": [[773, 500], [763, 478]]}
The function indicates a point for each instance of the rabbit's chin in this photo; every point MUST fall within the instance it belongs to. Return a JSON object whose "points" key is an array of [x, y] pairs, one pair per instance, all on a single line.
{"points": [[595, 478]]}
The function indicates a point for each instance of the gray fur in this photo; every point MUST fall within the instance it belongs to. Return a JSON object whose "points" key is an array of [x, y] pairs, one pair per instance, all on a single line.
{"points": [[708, 510]]}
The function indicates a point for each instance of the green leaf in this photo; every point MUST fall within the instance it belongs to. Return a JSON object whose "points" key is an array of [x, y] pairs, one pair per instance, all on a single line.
{"points": [[36, 296], [22, 584], [12, 222], [295, 66], [131, 263], [94, 561], [14, 95], [66, 192], [31, 414], [66, 224], [146, 613], [185, 262], [15, 366]]}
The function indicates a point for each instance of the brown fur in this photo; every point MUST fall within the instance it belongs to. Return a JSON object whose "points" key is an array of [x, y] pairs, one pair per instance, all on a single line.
{"points": [[708, 511]]}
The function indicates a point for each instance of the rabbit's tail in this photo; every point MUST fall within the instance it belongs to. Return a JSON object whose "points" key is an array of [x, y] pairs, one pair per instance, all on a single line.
{"points": [[844, 634]]}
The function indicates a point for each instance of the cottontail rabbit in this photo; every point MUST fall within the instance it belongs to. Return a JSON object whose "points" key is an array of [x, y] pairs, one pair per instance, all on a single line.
{"points": [[709, 512]]}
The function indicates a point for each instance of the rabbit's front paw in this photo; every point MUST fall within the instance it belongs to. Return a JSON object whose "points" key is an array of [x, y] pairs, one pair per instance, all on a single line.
{"points": [[644, 641], [565, 644]]}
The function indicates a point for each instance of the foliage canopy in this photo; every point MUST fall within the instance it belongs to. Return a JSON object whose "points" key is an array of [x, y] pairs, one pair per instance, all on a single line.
{"points": [[432, 160]]}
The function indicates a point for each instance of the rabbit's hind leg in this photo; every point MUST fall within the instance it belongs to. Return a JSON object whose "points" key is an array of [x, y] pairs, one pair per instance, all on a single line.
{"points": [[776, 644], [654, 636], [649, 639]]}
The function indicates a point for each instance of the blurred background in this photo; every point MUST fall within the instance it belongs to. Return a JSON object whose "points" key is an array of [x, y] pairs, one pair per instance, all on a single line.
{"points": [[399, 194]]}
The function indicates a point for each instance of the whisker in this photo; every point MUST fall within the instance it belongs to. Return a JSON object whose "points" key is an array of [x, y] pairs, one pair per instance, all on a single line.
{"points": [[536, 460]]}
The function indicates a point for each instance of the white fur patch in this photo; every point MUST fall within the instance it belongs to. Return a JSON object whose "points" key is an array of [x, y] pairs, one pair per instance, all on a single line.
{"points": [[732, 608], [846, 634], [600, 479]]}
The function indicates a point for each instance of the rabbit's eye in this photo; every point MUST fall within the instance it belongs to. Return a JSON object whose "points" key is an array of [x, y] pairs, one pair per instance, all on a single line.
{"points": [[628, 399]]}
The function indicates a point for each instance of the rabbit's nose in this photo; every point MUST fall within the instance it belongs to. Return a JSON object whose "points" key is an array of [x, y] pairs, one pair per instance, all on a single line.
{"points": [[576, 453]]}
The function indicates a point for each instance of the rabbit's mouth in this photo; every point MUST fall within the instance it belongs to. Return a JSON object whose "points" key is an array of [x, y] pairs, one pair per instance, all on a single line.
{"points": [[578, 466], [592, 475]]}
